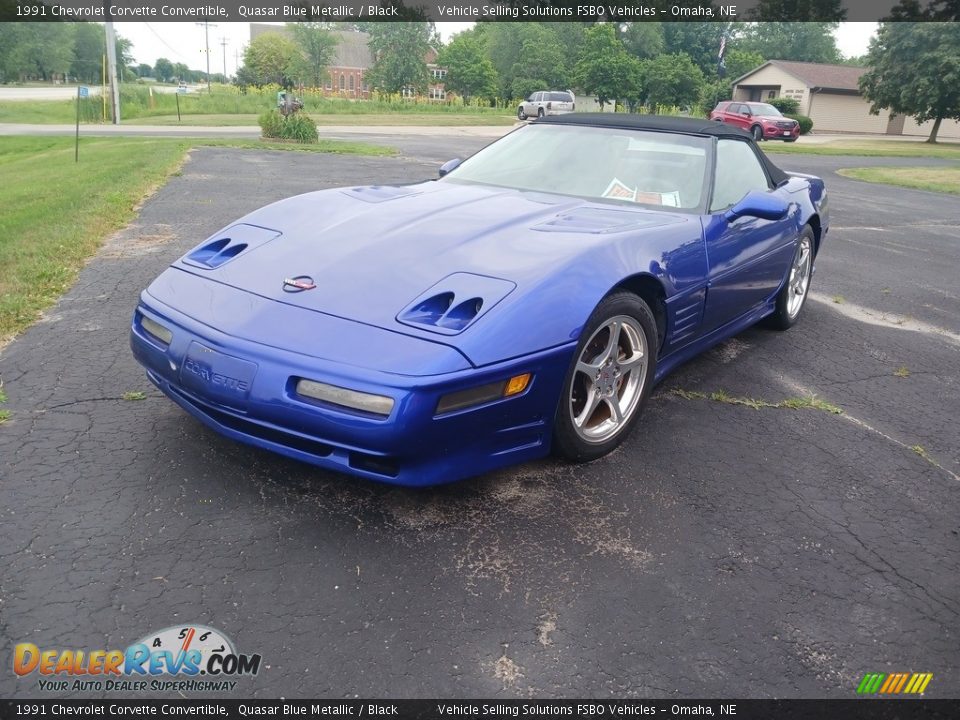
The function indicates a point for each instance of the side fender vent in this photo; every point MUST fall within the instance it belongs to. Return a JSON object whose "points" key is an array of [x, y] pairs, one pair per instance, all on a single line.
{"points": [[455, 303]]}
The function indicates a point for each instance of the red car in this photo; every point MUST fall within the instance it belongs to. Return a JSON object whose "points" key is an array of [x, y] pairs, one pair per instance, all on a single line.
{"points": [[764, 121]]}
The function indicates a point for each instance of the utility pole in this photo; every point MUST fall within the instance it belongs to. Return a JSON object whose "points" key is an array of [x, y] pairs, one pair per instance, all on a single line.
{"points": [[223, 43], [206, 28], [112, 70]]}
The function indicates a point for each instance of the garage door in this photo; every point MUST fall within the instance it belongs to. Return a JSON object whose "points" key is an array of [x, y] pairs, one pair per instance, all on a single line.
{"points": [[845, 113]]}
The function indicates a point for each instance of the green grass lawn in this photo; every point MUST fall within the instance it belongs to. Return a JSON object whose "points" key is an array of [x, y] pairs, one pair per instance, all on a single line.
{"points": [[56, 212], [137, 104], [867, 148], [936, 179], [371, 119]]}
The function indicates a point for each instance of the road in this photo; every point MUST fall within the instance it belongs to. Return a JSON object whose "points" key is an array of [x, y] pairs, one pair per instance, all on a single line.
{"points": [[722, 551]]}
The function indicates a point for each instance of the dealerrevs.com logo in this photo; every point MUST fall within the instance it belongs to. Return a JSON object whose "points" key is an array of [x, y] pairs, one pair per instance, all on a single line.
{"points": [[194, 657]]}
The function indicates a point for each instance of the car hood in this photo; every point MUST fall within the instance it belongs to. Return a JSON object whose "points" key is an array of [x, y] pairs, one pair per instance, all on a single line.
{"points": [[776, 118], [400, 257]]}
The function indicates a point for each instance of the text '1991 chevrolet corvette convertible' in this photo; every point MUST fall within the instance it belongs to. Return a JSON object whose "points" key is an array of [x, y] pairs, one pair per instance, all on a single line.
{"points": [[526, 301]]}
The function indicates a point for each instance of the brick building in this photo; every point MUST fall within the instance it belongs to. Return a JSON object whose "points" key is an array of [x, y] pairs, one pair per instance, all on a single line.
{"points": [[352, 61]]}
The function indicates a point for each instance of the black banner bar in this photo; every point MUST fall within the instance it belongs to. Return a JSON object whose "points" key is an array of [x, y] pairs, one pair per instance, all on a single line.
{"points": [[854, 709], [477, 10]]}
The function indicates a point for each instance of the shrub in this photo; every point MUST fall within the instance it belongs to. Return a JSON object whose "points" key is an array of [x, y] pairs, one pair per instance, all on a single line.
{"points": [[786, 105], [270, 124], [806, 124], [298, 127], [713, 93]]}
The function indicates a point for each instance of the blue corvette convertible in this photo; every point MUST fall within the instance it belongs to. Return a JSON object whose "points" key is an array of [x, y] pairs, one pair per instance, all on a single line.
{"points": [[526, 301]]}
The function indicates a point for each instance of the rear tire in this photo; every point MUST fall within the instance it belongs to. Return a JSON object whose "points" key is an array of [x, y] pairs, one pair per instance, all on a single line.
{"points": [[609, 379]]}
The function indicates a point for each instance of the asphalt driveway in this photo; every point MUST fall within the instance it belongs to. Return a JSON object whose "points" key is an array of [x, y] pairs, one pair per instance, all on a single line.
{"points": [[722, 551]]}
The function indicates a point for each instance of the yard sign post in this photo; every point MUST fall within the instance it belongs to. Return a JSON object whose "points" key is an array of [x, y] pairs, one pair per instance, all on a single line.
{"points": [[82, 92]]}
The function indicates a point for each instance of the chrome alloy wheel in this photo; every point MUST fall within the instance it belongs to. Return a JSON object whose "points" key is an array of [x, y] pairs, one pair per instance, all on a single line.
{"points": [[799, 281], [608, 379]]}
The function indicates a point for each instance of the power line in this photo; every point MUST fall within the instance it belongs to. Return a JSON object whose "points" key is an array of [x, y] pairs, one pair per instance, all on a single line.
{"points": [[169, 47]]}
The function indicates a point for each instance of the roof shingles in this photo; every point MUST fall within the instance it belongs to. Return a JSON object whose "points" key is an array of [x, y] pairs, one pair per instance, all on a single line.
{"points": [[819, 75]]}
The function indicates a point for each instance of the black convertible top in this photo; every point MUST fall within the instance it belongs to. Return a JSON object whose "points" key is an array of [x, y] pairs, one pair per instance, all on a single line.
{"points": [[667, 123]]}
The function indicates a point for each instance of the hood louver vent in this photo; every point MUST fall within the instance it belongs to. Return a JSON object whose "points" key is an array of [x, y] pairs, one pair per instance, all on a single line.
{"points": [[453, 304], [230, 243], [461, 315], [379, 193]]}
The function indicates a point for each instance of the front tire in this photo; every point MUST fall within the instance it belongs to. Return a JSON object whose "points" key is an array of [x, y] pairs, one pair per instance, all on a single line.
{"points": [[757, 133], [520, 114], [793, 295], [539, 112], [609, 379]]}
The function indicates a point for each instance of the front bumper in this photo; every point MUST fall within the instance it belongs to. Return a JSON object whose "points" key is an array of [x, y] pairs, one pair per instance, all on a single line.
{"points": [[775, 132], [247, 392]]}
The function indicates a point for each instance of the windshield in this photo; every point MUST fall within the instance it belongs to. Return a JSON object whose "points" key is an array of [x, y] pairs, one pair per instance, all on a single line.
{"points": [[764, 109], [605, 164]]}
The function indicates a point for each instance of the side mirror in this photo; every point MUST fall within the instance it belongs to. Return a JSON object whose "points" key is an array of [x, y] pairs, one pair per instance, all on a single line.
{"points": [[747, 113], [759, 205], [449, 166]]}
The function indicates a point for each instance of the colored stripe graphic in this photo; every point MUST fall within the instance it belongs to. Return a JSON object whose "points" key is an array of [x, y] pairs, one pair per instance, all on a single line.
{"points": [[894, 683], [903, 681], [870, 683], [890, 682]]}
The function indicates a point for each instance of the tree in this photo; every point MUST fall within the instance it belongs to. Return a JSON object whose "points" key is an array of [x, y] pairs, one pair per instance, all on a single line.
{"points": [[144, 70], [39, 50], [910, 10], [163, 69], [317, 45], [631, 73], [799, 11], [673, 81], [531, 56], [541, 64], [89, 43], [915, 71], [643, 39], [699, 40], [182, 73], [799, 41], [469, 71], [503, 40], [603, 69], [124, 49], [399, 51], [271, 58]]}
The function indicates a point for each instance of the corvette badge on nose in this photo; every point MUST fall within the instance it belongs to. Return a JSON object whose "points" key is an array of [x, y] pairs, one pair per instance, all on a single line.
{"points": [[298, 284]]}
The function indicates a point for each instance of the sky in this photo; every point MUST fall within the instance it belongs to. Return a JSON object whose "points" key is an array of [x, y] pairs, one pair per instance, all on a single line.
{"points": [[186, 43]]}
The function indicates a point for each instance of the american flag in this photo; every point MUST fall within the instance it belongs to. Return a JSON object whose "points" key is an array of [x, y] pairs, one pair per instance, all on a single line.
{"points": [[721, 65]]}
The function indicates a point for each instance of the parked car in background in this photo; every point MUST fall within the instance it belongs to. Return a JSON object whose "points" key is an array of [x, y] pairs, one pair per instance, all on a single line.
{"points": [[547, 102], [761, 120]]}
